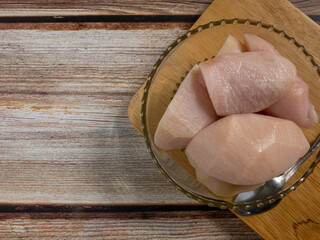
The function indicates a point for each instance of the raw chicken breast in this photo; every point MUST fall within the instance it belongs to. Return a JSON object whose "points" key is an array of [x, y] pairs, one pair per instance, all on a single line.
{"points": [[189, 111], [221, 188], [295, 106], [247, 149], [231, 45], [247, 82], [254, 43]]}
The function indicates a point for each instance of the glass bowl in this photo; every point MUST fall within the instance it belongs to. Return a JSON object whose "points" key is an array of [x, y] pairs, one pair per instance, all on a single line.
{"points": [[196, 46]]}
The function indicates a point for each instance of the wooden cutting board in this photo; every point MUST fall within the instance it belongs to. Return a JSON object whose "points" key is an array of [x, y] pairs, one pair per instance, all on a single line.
{"points": [[298, 215]]}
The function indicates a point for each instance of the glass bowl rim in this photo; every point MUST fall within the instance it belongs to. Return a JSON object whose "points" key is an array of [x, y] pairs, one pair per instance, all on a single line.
{"points": [[210, 201]]}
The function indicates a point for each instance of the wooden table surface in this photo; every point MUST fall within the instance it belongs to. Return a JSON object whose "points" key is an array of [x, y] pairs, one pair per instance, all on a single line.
{"points": [[71, 164]]}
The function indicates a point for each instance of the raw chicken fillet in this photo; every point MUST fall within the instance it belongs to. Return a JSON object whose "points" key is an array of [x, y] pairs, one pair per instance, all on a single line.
{"points": [[189, 111], [295, 105], [247, 149], [231, 45], [255, 43], [247, 82], [221, 188]]}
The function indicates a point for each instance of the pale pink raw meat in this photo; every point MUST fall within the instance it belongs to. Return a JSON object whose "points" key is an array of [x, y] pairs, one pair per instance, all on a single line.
{"points": [[254, 43], [189, 111], [247, 82], [295, 106], [247, 149], [221, 188], [231, 45]]}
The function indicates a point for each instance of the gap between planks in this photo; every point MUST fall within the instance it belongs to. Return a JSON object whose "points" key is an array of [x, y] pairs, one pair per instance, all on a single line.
{"points": [[117, 207], [74, 26], [111, 18]]}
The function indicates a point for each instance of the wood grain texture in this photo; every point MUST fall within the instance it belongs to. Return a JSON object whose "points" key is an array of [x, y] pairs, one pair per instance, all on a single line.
{"points": [[297, 216], [64, 132], [120, 7], [126, 225]]}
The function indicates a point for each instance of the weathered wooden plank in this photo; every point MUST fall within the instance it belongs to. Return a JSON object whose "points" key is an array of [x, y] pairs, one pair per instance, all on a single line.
{"points": [[64, 132], [125, 225], [120, 7], [309, 7]]}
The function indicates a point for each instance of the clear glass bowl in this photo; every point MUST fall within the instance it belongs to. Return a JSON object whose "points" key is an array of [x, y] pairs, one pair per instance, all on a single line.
{"points": [[196, 46]]}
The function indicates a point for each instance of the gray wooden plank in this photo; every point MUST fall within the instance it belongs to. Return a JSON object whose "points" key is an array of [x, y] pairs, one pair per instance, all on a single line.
{"points": [[120, 7], [123, 225], [64, 132]]}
